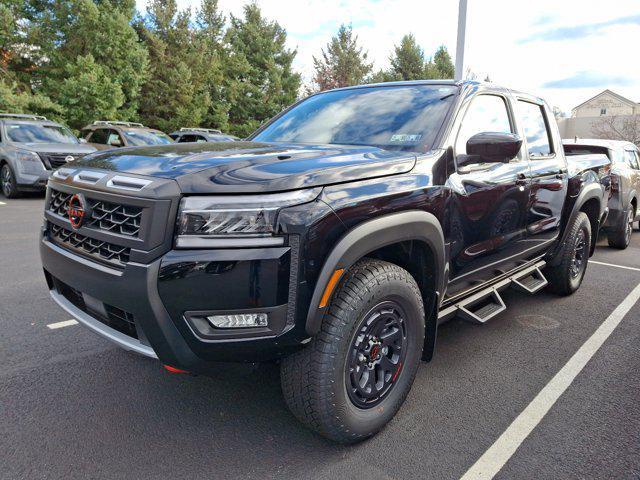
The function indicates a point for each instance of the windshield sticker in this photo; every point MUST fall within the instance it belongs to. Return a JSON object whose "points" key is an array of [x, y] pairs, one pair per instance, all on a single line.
{"points": [[405, 138]]}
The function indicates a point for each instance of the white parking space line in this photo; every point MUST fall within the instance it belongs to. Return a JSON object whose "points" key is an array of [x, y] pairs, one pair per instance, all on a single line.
{"points": [[66, 323], [614, 265], [2, 203], [490, 463]]}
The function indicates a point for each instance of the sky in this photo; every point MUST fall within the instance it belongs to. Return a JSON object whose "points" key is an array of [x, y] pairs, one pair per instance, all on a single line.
{"points": [[565, 51]]}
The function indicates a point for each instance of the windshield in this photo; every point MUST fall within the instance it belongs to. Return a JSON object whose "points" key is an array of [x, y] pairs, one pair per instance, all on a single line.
{"points": [[139, 138], [34, 133], [404, 117]]}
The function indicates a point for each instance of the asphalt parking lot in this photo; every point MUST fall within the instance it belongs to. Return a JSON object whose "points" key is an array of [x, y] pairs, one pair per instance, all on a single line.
{"points": [[72, 405]]}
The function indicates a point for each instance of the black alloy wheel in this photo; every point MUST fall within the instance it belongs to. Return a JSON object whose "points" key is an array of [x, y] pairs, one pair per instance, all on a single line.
{"points": [[580, 254], [566, 270], [376, 355]]}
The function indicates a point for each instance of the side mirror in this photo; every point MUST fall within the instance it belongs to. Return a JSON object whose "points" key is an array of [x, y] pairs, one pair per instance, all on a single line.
{"points": [[82, 140], [492, 147], [116, 142]]}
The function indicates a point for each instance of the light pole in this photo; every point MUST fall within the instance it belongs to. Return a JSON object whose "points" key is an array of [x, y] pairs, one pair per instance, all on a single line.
{"points": [[462, 26]]}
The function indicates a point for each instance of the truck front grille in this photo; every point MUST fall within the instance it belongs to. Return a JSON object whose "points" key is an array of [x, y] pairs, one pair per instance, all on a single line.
{"points": [[99, 250], [107, 216]]}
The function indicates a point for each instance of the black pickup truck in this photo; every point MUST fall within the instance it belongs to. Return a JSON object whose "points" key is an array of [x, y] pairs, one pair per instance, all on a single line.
{"points": [[334, 240]]}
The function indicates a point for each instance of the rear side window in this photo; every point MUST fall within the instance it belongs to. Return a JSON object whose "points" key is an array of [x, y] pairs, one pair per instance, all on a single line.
{"points": [[99, 136], [114, 138], [535, 129], [487, 113], [571, 149], [632, 159]]}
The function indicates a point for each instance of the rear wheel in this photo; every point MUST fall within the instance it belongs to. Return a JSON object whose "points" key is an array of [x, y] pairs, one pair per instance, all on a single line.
{"points": [[620, 235], [352, 378], [566, 277], [8, 182]]}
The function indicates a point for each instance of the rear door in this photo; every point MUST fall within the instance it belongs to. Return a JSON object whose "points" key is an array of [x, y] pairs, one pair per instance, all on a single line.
{"points": [[549, 177]]}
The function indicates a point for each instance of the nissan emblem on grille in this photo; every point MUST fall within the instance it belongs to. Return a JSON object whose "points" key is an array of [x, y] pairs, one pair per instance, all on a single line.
{"points": [[78, 210], [69, 158]]}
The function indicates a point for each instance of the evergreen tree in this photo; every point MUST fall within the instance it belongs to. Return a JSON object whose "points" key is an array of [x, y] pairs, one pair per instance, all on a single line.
{"points": [[343, 63], [209, 38], [8, 36], [443, 63], [259, 79], [175, 93], [13, 99], [407, 62], [381, 76], [70, 35], [16, 51], [88, 92], [440, 66]]}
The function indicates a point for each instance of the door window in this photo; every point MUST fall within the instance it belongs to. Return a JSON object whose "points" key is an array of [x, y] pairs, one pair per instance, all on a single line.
{"points": [[535, 129], [632, 159], [99, 136], [487, 113], [114, 139], [187, 139]]}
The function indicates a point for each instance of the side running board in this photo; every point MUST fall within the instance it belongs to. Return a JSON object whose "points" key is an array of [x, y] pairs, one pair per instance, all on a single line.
{"points": [[482, 307], [530, 282], [487, 303]]}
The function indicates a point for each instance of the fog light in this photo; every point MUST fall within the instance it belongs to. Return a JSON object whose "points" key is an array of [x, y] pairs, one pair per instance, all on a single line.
{"points": [[239, 320]]}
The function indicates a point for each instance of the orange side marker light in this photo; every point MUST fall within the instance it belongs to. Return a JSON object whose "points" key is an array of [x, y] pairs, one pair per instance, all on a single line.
{"points": [[331, 284]]}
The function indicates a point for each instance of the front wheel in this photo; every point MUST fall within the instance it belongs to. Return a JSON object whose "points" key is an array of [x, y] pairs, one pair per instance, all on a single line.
{"points": [[8, 182], [354, 375], [566, 277]]}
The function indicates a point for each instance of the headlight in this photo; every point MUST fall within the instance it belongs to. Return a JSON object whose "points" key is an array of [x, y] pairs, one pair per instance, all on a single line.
{"points": [[235, 220], [27, 156]]}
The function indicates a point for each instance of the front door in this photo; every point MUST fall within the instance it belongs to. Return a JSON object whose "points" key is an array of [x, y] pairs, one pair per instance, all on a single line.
{"points": [[487, 214]]}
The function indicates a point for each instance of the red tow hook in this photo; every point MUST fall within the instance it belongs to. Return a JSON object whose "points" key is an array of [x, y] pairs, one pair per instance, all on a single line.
{"points": [[171, 369]]}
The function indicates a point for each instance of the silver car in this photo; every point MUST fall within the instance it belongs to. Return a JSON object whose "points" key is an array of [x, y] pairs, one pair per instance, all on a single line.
{"points": [[31, 147]]}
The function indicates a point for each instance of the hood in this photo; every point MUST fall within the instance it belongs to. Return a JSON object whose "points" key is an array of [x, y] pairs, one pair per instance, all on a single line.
{"points": [[57, 147], [236, 167]]}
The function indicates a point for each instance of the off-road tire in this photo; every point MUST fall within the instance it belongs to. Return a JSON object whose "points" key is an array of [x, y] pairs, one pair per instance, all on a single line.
{"points": [[314, 378], [561, 280], [620, 236], [8, 184]]}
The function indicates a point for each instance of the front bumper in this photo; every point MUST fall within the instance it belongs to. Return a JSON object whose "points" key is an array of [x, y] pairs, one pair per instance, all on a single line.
{"points": [[30, 181], [152, 302]]}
